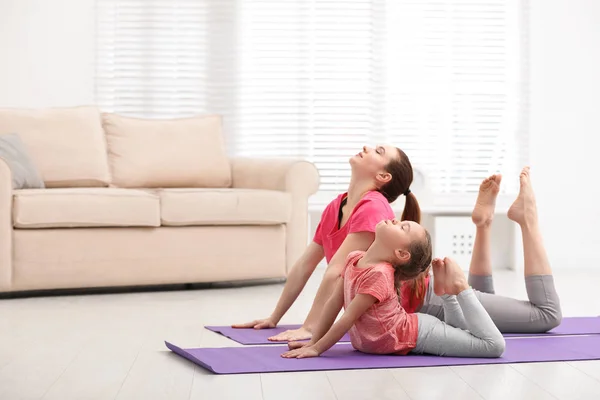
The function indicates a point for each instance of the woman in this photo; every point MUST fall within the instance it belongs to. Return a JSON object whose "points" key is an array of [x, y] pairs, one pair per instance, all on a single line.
{"points": [[379, 177]]}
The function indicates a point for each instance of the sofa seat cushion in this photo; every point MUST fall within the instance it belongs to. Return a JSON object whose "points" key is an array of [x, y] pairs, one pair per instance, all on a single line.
{"points": [[84, 207], [187, 207]]}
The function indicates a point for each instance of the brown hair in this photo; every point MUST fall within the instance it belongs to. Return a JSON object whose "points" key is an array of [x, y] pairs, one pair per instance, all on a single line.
{"points": [[402, 176], [416, 267]]}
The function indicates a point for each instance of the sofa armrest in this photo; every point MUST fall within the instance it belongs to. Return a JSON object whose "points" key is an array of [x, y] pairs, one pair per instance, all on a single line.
{"points": [[5, 226], [298, 178], [288, 175]]}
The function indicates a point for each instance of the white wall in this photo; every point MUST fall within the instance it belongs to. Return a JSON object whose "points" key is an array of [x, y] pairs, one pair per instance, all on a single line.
{"points": [[48, 48], [565, 127], [565, 130], [47, 53]]}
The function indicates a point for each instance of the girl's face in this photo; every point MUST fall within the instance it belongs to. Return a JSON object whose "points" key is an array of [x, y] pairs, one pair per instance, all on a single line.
{"points": [[398, 235]]}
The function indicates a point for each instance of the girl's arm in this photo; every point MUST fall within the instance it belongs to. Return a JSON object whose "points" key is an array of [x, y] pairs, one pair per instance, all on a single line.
{"points": [[299, 275], [357, 307]]}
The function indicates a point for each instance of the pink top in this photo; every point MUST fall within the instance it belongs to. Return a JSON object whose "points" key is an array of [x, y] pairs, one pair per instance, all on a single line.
{"points": [[385, 328], [371, 209]]}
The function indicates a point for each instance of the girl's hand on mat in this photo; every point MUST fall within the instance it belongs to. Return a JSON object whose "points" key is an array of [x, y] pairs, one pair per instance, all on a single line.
{"points": [[298, 345], [257, 324], [304, 352]]}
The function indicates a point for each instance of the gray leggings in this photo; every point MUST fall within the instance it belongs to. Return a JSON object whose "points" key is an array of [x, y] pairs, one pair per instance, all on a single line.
{"points": [[540, 314], [468, 330]]}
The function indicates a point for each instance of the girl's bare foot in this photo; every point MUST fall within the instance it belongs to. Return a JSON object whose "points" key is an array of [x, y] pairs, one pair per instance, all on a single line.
{"points": [[455, 278], [301, 333], [483, 213], [524, 210], [439, 277]]}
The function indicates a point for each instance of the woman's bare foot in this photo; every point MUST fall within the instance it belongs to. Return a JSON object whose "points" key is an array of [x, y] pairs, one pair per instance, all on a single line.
{"points": [[439, 277], [301, 333], [524, 210], [455, 278], [483, 213]]}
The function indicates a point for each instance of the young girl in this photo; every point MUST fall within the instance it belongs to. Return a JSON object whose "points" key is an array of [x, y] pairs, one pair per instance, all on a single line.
{"points": [[368, 289]]}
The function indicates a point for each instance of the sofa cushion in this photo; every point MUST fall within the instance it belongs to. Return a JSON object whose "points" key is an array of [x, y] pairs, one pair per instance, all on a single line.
{"points": [[66, 208], [67, 145], [224, 207], [152, 153]]}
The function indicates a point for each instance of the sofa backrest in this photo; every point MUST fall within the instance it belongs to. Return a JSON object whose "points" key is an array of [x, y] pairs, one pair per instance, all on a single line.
{"points": [[83, 147], [151, 153], [67, 145]]}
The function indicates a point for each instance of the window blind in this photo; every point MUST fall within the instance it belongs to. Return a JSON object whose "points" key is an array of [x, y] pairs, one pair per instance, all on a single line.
{"points": [[443, 80]]}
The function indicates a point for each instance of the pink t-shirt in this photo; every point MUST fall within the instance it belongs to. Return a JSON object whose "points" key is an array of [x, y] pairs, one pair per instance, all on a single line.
{"points": [[385, 328], [371, 209]]}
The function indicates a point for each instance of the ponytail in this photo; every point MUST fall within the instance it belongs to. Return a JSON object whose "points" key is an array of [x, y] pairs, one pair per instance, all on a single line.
{"points": [[414, 272], [412, 210], [416, 287]]}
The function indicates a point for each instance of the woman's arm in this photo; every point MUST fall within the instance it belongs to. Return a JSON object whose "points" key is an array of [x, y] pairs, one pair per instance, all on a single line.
{"points": [[353, 242], [357, 307], [330, 312], [297, 279], [299, 275]]}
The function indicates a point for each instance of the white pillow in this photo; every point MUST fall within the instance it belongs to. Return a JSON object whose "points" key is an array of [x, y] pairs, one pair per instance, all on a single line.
{"points": [[25, 175]]}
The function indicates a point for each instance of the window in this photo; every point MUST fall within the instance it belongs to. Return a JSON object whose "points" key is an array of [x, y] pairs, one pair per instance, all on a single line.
{"points": [[443, 80]]}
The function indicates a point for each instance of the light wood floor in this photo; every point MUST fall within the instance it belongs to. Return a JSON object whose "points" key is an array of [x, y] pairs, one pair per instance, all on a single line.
{"points": [[110, 346]]}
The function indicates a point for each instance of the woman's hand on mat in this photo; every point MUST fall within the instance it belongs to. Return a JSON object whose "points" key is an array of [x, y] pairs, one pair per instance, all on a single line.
{"points": [[292, 335], [304, 352], [298, 345], [257, 324]]}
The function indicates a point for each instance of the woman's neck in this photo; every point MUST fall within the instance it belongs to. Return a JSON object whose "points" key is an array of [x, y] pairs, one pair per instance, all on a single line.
{"points": [[356, 190]]}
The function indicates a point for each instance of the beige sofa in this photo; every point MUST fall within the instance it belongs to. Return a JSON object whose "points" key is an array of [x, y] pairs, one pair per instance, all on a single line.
{"points": [[144, 202]]}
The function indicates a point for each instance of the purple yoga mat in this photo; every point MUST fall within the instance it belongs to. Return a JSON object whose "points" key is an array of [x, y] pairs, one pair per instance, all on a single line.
{"points": [[257, 336], [260, 359], [569, 326]]}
